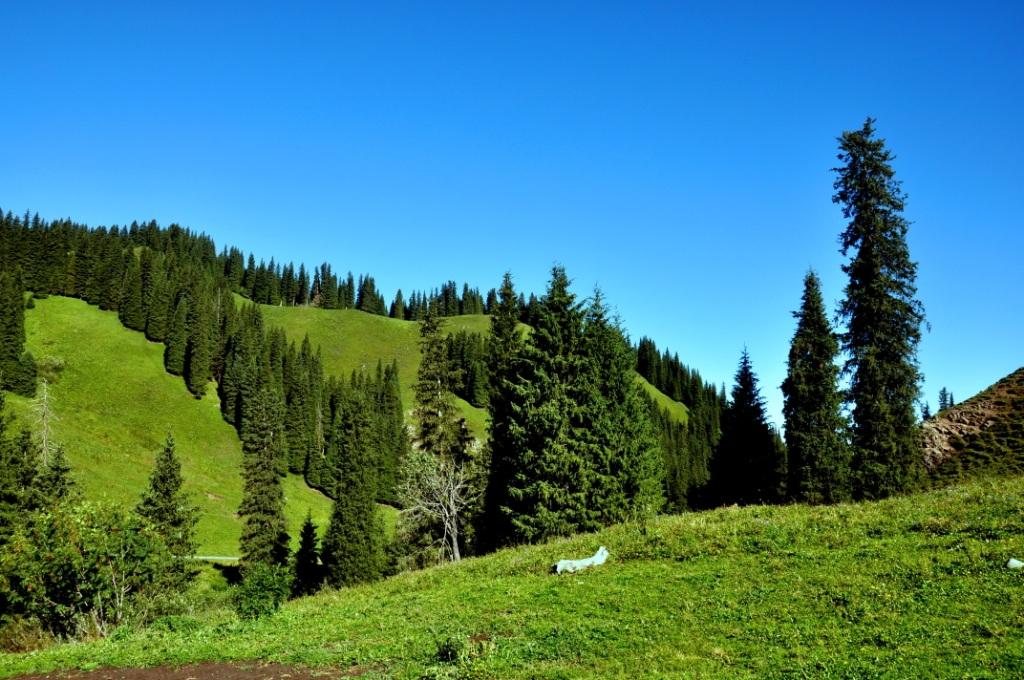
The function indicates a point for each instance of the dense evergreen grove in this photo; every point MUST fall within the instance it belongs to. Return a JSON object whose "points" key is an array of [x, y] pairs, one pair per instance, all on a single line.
{"points": [[573, 447], [172, 285]]}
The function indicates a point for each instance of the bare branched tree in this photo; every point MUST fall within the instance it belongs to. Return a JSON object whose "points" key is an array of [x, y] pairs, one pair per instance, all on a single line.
{"points": [[45, 418], [434, 491]]}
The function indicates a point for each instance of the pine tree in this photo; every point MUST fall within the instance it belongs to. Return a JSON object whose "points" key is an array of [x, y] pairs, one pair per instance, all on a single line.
{"points": [[943, 400], [19, 469], [546, 490], [397, 310], [167, 507], [625, 467], [177, 339], [129, 309], [54, 483], [17, 367], [883, 318], [819, 456], [264, 537], [159, 303], [198, 345], [441, 482], [353, 545], [746, 467], [307, 574], [441, 430]]}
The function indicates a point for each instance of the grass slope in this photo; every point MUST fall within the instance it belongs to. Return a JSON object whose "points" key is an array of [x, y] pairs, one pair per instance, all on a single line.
{"points": [[908, 587], [983, 435], [355, 341], [114, 405]]}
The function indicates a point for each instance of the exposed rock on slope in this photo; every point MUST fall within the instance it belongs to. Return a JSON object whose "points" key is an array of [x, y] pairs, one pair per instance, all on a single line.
{"points": [[983, 434]]}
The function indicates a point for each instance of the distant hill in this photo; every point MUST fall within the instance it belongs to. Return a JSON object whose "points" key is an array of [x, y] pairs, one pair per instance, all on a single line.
{"points": [[982, 435], [114, 404]]}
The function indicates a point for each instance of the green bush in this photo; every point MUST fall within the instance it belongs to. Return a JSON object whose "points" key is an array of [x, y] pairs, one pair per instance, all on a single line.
{"points": [[83, 570], [262, 590]]}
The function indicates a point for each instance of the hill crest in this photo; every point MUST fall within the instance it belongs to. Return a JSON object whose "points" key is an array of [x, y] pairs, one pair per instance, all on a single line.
{"points": [[982, 432]]}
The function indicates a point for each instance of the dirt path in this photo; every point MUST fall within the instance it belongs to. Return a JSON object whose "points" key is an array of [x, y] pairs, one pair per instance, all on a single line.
{"points": [[206, 671]]}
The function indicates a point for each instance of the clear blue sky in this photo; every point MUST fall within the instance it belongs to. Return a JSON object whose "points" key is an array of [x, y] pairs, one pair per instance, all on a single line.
{"points": [[677, 157]]}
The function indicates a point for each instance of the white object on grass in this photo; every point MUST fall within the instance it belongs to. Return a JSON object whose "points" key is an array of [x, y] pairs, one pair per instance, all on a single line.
{"points": [[572, 566], [1015, 564]]}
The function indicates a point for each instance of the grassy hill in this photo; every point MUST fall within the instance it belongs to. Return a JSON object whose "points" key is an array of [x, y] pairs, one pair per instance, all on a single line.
{"points": [[982, 435], [354, 341], [114, 404], [908, 587]]}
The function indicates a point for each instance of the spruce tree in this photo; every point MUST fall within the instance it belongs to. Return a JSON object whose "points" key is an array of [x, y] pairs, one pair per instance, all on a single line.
{"points": [[177, 339], [54, 483], [883, 318], [746, 467], [198, 345], [167, 507], [264, 537], [129, 309], [819, 455], [546, 489], [19, 468], [625, 467], [353, 545], [307, 574], [17, 367], [441, 431], [445, 457]]}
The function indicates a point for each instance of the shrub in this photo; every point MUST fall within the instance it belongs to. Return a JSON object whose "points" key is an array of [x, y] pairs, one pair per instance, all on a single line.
{"points": [[262, 590], [83, 570]]}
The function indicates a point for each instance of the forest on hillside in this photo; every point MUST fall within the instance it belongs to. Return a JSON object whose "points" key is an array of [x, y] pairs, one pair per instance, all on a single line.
{"points": [[574, 444]]}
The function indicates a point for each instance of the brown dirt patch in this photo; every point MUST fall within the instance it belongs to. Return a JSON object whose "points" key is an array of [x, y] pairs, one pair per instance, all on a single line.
{"points": [[208, 671]]}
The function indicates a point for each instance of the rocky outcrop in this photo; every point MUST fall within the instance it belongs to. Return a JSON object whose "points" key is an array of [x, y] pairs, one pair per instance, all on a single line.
{"points": [[951, 431]]}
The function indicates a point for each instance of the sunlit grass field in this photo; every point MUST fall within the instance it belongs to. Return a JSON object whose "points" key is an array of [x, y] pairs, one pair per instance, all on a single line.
{"points": [[913, 587]]}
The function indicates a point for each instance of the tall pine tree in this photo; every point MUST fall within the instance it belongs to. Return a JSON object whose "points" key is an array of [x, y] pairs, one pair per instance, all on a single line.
{"points": [[504, 354], [746, 467], [819, 455], [264, 536], [353, 545], [883, 318], [307, 575], [167, 507], [17, 367]]}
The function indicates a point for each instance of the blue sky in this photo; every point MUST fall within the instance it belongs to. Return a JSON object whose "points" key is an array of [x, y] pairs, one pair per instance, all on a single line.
{"points": [[677, 156]]}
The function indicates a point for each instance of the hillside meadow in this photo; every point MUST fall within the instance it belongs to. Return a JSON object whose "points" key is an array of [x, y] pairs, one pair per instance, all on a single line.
{"points": [[909, 587], [114, 404]]}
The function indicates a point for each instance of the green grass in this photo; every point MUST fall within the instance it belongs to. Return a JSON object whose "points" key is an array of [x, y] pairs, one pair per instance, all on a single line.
{"points": [[909, 587], [114, 405], [676, 410]]}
